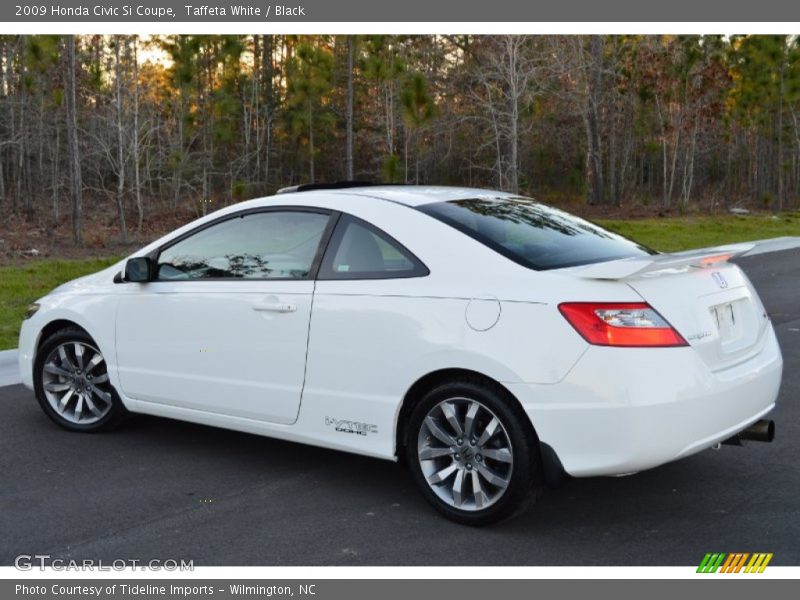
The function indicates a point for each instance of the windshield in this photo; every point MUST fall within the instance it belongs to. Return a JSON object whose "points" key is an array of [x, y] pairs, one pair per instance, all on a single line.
{"points": [[534, 235]]}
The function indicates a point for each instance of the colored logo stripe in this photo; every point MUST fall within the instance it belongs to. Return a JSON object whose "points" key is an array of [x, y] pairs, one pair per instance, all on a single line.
{"points": [[710, 563], [758, 563], [734, 562]]}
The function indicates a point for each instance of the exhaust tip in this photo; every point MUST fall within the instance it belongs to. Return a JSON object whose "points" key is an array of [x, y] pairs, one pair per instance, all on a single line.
{"points": [[760, 431]]}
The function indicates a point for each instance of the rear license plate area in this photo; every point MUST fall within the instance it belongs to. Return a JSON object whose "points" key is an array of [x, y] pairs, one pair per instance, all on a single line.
{"points": [[727, 317]]}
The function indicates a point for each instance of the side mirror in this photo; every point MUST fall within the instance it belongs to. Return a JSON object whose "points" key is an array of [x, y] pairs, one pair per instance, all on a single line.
{"points": [[138, 269]]}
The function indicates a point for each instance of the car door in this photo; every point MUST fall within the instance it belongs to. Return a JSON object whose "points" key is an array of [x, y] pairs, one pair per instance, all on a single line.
{"points": [[223, 327]]}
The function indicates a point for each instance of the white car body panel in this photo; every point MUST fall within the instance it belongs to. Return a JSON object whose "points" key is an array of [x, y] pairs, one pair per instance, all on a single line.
{"points": [[334, 372], [223, 350], [652, 416]]}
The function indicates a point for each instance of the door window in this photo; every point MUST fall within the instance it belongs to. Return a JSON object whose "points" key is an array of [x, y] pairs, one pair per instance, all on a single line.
{"points": [[261, 245]]}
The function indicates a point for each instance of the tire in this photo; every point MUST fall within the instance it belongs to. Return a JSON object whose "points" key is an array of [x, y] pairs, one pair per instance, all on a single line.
{"points": [[71, 383], [466, 430]]}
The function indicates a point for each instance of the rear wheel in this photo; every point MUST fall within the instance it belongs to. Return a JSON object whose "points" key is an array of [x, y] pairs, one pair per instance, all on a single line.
{"points": [[470, 453], [72, 385]]}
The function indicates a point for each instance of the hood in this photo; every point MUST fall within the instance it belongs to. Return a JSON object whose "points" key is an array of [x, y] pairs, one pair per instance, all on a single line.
{"points": [[88, 283]]}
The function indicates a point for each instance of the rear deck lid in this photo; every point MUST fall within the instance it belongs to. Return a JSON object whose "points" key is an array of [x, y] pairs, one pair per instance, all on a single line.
{"points": [[708, 300]]}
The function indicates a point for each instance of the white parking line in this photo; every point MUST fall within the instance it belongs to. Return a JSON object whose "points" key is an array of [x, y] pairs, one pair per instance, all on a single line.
{"points": [[9, 374]]}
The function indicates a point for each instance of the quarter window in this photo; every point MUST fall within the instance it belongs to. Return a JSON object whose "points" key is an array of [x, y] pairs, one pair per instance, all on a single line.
{"points": [[263, 245], [360, 251]]}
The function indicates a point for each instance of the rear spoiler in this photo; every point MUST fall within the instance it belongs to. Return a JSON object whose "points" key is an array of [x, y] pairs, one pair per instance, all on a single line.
{"points": [[634, 267]]}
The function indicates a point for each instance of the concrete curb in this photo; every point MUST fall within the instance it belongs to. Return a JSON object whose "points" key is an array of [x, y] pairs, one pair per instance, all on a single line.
{"points": [[9, 373]]}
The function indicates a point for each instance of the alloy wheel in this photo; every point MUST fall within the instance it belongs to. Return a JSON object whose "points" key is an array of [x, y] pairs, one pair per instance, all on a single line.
{"points": [[465, 454], [75, 383]]}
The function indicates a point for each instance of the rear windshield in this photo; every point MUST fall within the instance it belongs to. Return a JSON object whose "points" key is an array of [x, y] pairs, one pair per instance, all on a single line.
{"points": [[534, 235]]}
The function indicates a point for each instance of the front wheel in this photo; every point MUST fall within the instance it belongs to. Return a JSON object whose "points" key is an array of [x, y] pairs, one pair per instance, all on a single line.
{"points": [[471, 455], [71, 383]]}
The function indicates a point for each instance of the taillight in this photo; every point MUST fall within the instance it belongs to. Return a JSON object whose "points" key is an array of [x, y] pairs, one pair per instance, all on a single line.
{"points": [[629, 324]]}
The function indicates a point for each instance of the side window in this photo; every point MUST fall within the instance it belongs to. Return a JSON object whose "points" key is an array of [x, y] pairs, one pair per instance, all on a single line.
{"points": [[264, 245], [358, 250]]}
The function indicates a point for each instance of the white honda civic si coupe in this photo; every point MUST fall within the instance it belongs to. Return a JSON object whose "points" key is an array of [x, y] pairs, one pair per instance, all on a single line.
{"points": [[490, 341]]}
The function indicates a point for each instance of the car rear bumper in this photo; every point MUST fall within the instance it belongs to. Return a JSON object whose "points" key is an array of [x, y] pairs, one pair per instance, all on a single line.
{"points": [[624, 410]]}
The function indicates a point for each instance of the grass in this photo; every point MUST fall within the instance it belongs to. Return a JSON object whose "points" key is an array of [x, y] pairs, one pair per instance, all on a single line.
{"points": [[684, 233], [21, 285]]}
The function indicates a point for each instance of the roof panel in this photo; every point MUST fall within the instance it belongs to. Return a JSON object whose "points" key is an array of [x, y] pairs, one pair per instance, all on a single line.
{"points": [[417, 195]]}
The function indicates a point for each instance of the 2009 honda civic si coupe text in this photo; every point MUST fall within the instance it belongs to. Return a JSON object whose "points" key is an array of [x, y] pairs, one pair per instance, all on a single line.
{"points": [[489, 340]]}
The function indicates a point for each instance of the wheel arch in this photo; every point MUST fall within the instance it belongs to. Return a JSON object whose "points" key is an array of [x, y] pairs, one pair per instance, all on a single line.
{"points": [[430, 380], [55, 326], [553, 471]]}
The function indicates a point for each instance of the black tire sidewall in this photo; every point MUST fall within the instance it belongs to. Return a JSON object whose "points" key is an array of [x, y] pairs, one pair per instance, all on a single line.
{"points": [[113, 416], [525, 481]]}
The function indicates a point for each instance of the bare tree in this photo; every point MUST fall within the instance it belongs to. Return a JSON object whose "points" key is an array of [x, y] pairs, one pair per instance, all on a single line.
{"points": [[123, 234], [585, 72], [349, 115], [73, 142], [137, 189], [506, 81]]}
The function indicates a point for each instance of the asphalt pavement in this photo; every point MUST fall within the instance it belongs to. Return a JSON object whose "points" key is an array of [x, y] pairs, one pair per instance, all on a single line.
{"points": [[161, 489]]}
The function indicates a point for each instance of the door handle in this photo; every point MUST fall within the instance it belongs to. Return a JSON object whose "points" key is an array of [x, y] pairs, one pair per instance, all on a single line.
{"points": [[279, 307]]}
